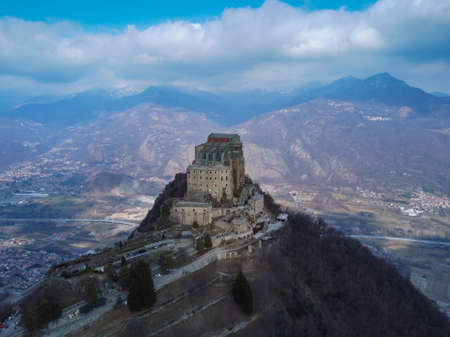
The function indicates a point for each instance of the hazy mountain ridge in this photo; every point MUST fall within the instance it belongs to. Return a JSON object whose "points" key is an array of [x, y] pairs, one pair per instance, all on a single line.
{"points": [[382, 88], [230, 108]]}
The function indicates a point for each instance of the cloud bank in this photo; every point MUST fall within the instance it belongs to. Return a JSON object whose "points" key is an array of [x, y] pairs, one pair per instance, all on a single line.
{"points": [[274, 47]]}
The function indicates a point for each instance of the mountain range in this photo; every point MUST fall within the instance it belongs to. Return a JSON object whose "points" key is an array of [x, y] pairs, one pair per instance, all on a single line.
{"points": [[373, 131], [230, 108], [328, 142]]}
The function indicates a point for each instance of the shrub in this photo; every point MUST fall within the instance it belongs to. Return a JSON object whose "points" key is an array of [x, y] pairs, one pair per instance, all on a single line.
{"points": [[200, 245], [242, 293], [208, 242], [44, 304], [41, 314], [141, 292]]}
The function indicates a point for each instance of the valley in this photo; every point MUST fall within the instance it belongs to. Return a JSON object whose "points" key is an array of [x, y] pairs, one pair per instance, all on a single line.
{"points": [[38, 230]]}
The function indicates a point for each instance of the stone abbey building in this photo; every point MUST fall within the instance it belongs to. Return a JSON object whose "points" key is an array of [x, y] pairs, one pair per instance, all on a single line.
{"points": [[217, 173], [218, 170]]}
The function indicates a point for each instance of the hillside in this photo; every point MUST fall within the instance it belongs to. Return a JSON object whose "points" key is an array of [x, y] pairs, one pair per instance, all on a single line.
{"points": [[341, 143], [146, 141], [328, 284], [310, 279], [175, 189], [25, 140]]}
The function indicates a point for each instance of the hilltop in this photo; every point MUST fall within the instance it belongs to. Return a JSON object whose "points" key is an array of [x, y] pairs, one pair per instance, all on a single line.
{"points": [[308, 277]]}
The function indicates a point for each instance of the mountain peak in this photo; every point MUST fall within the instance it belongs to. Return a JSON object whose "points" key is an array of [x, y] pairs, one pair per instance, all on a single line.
{"points": [[384, 75], [383, 79]]}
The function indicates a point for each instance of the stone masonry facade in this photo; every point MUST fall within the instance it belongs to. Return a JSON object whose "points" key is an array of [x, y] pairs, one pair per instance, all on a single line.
{"points": [[217, 172]]}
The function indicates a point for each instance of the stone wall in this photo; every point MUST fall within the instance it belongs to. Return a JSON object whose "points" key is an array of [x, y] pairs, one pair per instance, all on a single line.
{"points": [[188, 213], [216, 181], [222, 211]]}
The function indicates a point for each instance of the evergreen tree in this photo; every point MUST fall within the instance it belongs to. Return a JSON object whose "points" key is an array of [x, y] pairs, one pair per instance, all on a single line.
{"points": [[49, 311], [141, 292], [110, 273], [200, 245], [91, 292], [42, 314], [208, 242], [124, 276], [242, 293]]}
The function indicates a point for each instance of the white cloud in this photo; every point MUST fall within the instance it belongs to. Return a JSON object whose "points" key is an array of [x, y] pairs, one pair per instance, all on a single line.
{"points": [[274, 46]]}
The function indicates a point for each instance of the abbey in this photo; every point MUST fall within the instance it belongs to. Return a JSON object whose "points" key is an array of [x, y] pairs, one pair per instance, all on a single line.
{"points": [[218, 170], [216, 184]]}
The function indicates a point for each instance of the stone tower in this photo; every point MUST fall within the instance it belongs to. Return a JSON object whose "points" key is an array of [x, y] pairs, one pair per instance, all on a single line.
{"points": [[221, 150]]}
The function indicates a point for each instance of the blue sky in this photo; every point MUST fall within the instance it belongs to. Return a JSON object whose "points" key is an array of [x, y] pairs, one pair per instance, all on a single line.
{"points": [[139, 12], [60, 47]]}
